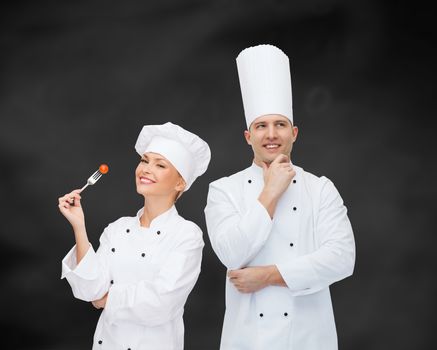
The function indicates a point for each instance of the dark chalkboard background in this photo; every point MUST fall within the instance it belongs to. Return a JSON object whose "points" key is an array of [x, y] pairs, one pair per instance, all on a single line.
{"points": [[80, 78]]}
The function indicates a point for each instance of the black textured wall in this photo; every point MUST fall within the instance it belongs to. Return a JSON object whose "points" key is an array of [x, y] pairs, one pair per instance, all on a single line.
{"points": [[80, 78]]}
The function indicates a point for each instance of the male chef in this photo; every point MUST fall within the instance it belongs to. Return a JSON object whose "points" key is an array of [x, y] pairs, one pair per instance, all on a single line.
{"points": [[282, 232]]}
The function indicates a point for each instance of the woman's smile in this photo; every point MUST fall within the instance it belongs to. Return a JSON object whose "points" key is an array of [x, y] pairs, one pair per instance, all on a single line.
{"points": [[146, 181]]}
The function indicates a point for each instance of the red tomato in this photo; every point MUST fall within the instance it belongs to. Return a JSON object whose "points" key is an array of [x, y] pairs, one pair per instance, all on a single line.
{"points": [[103, 168]]}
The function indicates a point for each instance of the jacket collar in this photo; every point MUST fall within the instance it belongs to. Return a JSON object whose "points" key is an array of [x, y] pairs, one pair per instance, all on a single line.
{"points": [[161, 219]]}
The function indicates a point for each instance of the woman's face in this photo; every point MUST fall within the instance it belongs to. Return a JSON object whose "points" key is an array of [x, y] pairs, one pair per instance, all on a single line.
{"points": [[156, 176]]}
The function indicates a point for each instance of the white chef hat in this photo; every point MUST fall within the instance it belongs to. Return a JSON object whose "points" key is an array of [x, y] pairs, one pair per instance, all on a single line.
{"points": [[188, 153], [265, 82]]}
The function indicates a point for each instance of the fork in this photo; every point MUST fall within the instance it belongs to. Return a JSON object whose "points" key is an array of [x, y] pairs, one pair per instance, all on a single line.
{"points": [[91, 181]]}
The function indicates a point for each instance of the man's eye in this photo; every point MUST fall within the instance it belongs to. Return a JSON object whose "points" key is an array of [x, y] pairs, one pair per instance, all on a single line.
{"points": [[259, 126]]}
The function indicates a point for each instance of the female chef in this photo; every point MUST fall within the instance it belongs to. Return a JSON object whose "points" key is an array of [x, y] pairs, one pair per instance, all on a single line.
{"points": [[146, 265]]}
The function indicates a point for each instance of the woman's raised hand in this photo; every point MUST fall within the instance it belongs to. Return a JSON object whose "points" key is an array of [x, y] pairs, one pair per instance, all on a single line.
{"points": [[70, 207]]}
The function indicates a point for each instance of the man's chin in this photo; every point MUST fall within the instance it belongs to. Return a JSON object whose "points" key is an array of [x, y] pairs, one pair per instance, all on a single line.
{"points": [[268, 158]]}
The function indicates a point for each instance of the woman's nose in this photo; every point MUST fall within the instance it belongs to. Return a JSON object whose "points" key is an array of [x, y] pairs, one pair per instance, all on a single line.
{"points": [[145, 168]]}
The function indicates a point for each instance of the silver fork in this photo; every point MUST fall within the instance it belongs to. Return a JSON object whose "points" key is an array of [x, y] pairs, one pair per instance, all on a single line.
{"points": [[91, 181]]}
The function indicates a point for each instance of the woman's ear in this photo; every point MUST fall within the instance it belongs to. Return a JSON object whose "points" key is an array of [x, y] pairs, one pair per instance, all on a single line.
{"points": [[180, 185]]}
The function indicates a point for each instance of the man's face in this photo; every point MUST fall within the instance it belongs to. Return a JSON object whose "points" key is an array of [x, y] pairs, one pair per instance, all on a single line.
{"points": [[269, 136]]}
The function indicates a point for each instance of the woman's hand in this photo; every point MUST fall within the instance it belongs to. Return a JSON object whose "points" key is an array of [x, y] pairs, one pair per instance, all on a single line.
{"points": [[69, 206], [100, 303]]}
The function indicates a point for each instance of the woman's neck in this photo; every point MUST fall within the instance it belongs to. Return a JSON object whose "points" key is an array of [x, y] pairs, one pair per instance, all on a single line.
{"points": [[153, 207]]}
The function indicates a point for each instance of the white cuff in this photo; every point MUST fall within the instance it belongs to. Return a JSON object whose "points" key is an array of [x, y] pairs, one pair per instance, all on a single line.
{"points": [[87, 267]]}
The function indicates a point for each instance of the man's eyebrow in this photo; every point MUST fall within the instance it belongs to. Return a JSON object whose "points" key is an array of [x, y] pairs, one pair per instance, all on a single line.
{"points": [[275, 121]]}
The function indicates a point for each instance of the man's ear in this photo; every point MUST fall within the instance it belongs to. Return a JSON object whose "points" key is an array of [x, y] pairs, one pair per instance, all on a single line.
{"points": [[295, 132], [247, 137]]}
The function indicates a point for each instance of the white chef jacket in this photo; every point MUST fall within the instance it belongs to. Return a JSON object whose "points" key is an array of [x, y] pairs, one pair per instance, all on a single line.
{"points": [[149, 273], [311, 242]]}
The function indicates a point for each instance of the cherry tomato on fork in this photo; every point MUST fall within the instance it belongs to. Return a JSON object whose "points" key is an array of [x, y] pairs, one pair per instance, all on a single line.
{"points": [[103, 168]]}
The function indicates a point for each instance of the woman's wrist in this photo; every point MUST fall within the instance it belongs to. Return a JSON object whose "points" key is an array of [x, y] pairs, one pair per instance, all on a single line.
{"points": [[79, 227]]}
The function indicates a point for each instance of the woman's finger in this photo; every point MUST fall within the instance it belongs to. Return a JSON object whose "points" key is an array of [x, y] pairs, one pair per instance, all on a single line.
{"points": [[63, 199], [63, 207], [72, 194], [70, 198], [65, 204], [75, 200]]}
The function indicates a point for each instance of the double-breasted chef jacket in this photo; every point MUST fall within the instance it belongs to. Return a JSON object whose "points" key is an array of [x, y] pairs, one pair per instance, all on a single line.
{"points": [[311, 242], [149, 273]]}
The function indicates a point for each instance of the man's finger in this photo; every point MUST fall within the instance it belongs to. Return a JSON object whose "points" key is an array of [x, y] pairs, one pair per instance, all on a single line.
{"points": [[281, 158], [284, 159], [284, 165], [277, 159], [233, 273]]}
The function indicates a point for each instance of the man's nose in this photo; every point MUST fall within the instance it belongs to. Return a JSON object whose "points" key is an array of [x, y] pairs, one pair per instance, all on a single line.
{"points": [[271, 132]]}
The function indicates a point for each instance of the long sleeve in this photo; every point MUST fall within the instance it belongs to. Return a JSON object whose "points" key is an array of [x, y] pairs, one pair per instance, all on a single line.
{"points": [[235, 237], [157, 302], [89, 280], [335, 257]]}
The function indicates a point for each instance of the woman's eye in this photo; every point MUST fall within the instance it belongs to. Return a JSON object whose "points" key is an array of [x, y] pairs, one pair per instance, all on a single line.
{"points": [[143, 161], [161, 166]]}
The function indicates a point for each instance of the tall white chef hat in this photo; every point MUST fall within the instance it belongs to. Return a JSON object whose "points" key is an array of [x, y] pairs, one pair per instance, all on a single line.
{"points": [[265, 82], [188, 153]]}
